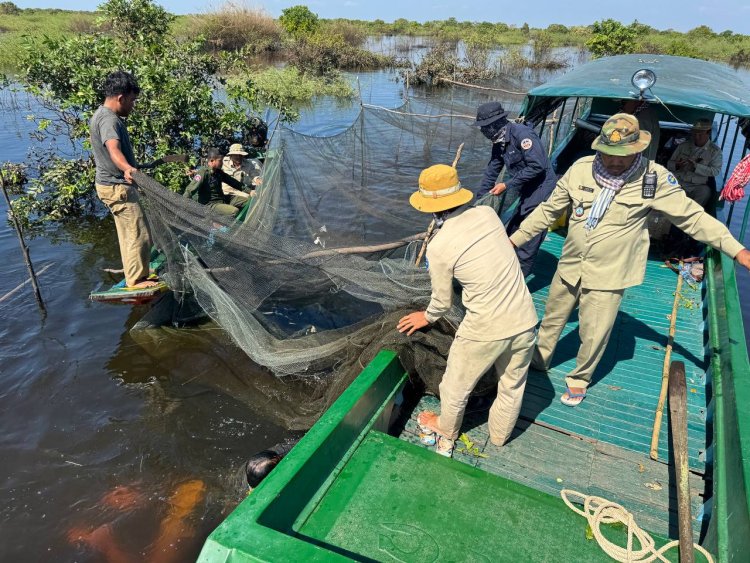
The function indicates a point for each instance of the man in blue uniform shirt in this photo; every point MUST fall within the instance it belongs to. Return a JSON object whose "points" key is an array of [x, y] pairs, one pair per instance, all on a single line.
{"points": [[517, 148]]}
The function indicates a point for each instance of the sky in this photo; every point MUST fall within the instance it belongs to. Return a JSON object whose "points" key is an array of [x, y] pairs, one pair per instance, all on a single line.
{"points": [[681, 15]]}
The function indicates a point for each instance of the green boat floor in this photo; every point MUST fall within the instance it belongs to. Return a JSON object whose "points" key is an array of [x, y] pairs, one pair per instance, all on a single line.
{"points": [[622, 398], [549, 461], [395, 502]]}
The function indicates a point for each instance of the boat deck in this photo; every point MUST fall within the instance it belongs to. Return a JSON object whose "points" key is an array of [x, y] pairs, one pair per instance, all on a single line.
{"points": [[602, 446]]}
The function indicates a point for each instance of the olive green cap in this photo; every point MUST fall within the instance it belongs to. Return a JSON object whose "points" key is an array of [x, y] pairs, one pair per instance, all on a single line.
{"points": [[621, 136]]}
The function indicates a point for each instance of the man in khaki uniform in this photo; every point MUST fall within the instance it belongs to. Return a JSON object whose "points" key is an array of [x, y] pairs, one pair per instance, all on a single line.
{"points": [[606, 249], [115, 164], [498, 328], [242, 169], [695, 161]]}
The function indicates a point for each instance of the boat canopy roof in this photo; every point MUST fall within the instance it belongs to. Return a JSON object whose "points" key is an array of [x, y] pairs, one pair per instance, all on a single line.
{"points": [[680, 81]]}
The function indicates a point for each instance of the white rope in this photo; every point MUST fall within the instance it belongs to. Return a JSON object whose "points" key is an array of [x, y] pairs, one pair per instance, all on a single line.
{"points": [[598, 511]]}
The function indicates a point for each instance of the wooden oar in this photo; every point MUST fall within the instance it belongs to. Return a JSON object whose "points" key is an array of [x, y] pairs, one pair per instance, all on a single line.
{"points": [[678, 424], [665, 371], [432, 223]]}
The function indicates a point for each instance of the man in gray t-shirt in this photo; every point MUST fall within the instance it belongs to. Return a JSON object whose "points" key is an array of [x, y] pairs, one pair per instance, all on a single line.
{"points": [[106, 125], [115, 164]]}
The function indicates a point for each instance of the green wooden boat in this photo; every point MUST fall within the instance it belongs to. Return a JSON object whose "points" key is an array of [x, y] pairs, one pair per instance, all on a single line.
{"points": [[361, 486]]}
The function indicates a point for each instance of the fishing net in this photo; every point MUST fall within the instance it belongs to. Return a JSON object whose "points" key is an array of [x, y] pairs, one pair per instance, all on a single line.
{"points": [[311, 283]]}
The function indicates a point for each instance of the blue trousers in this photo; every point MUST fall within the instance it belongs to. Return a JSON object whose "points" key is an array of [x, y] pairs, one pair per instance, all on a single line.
{"points": [[526, 253]]}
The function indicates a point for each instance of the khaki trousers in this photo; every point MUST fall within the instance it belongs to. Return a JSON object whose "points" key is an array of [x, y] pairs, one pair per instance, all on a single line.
{"points": [[132, 229], [468, 360], [597, 311]]}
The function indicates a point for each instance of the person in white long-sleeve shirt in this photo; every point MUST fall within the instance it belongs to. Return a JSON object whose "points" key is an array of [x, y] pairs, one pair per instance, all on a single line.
{"points": [[499, 326]]}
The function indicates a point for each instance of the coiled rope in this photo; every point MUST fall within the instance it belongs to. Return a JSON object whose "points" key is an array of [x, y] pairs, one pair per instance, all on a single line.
{"points": [[598, 511]]}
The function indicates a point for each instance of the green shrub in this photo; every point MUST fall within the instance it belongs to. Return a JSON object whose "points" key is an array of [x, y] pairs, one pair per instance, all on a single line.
{"points": [[235, 27], [682, 48], [289, 87], [9, 9], [740, 58], [352, 34], [610, 37], [299, 21], [324, 55]]}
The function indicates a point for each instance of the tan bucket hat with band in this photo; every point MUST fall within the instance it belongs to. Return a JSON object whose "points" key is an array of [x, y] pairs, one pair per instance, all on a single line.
{"points": [[236, 148], [621, 136], [439, 190]]}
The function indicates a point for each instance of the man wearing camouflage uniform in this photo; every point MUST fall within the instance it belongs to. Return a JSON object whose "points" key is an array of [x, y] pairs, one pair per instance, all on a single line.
{"points": [[206, 185], [607, 244]]}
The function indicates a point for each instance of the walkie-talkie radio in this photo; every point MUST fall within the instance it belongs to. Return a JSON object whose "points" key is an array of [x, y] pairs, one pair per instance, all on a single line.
{"points": [[648, 190]]}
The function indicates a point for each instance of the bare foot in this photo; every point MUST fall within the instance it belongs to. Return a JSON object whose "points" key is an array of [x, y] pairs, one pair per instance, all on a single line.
{"points": [[145, 284], [429, 420]]}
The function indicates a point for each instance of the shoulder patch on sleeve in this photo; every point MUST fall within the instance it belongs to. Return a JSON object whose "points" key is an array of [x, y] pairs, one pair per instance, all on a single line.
{"points": [[526, 144], [197, 177], [672, 180]]}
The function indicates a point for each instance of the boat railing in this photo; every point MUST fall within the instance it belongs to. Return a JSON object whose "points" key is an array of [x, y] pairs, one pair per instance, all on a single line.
{"points": [[729, 410]]}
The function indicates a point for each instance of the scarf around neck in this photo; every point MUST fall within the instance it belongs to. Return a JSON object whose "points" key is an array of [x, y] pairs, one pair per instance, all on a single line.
{"points": [[610, 185]]}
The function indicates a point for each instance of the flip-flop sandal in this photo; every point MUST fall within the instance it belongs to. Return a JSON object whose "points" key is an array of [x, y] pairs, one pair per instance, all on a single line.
{"points": [[572, 399]]}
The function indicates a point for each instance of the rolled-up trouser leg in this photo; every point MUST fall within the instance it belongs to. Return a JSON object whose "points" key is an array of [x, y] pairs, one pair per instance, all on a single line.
{"points": [[467, 362], [132, 229], [561, 301], [596, 314], [512, 367]]}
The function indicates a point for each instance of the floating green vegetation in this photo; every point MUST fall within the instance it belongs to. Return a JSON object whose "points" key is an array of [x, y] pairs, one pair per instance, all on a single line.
{"points": [[288, 87]]}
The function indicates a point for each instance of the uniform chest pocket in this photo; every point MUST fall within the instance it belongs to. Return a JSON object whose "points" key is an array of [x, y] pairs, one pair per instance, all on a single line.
{"points": [[513, 157], [627, 211]]}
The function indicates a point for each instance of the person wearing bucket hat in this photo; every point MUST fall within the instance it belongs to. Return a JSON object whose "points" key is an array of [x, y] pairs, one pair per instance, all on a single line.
{"points": [[605, 251], [697, 162], [246, 170], [517, 148], [498, 328]]}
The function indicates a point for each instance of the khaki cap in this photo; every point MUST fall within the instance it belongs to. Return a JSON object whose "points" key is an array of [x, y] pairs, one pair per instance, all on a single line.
{"points": [[236, 148], [621, 136], [439, 190]]}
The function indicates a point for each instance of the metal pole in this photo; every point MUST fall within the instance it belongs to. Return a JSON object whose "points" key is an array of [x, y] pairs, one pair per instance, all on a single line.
{"points": [[24, 248]]}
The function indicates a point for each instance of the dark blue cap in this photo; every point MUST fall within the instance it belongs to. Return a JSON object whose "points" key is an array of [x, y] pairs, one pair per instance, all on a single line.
{"points": [[489, 113]]}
